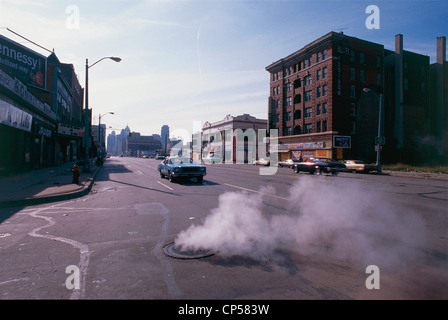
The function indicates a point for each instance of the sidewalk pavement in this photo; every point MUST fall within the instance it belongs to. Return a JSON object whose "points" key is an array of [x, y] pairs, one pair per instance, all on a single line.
{"points": [[45, 185]]}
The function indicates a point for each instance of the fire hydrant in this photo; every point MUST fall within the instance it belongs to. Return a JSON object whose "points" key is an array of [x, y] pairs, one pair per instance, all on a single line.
{"points": [[76, 174]]}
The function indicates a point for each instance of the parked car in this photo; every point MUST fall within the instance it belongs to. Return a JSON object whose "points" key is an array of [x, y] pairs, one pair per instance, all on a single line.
{"points": [[360, 166], [160, 157], [262, 162], [287, 163], [181, 167], [334, 162], [319, 166]]}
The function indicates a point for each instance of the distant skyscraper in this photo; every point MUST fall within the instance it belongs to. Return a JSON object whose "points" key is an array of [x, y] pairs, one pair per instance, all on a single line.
{"points": [[165, 136]]}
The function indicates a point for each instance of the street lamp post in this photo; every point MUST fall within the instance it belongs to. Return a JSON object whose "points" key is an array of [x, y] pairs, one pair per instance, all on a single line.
{"points": [[99, 132], [86, 166], [379, 137]]}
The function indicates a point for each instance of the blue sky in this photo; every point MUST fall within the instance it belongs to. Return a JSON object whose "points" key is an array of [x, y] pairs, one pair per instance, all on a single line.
{"points": [[185, 62]]}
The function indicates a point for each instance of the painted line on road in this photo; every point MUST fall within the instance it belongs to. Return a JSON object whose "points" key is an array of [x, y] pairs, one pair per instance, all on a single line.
{"points": [[165, 185], [138, 173], [255, 191]]}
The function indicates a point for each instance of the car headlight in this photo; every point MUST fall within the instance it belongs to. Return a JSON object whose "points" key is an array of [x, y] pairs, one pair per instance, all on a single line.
{"points": [[203, 169]]}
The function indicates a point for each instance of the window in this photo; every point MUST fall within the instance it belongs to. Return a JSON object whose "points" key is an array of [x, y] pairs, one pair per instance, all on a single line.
{"points": [[297, 84], [362, 76], [324, 108], [324, 125], [324, 54], [324, 90], [318, 92], [308, 80], [287, 116], [318, 126], [288, 102], [304, 64], [353, 109], [361, 58], [297, 114], [318, 110], [309, 62], [378, 79], [286, 131], [352, 74], [353, 127], [297, 130], [297, 98], [324, 73], [352, 92], [308, 128], [308, 112], [288, 87], [319, 74], [352, 55], [319, 57], [308, 95], [378, 62]]}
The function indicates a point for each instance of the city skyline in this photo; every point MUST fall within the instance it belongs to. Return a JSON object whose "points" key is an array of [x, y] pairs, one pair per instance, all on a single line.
{"points": [[187, 61]]}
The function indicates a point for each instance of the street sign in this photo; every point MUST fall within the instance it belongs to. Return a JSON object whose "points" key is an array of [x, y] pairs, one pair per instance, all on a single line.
{"points": [[380, 140]]}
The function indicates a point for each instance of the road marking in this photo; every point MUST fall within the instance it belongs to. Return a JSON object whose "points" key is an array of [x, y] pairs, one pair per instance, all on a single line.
{"points": [[165, 185], [255, 191], [138, 173]]}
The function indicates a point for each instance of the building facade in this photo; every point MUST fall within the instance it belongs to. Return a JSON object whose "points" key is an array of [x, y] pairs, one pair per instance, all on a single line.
{"points": [[438, 138], [315, 96], [220, 138], [28, 124]]}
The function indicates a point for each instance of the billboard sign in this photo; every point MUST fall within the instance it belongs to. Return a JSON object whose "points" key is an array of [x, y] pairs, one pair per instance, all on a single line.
{"points": [[342, 142], [22, 63]]}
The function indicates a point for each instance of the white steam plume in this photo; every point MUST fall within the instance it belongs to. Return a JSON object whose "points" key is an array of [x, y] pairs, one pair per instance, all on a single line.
{"points": [[328, 218]]}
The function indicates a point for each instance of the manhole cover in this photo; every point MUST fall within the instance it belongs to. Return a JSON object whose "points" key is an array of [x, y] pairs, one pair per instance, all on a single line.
{"points": [[171, 250]]}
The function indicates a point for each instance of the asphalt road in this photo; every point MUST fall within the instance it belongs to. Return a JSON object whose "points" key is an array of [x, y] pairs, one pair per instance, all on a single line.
{"points": [[282, 236]]}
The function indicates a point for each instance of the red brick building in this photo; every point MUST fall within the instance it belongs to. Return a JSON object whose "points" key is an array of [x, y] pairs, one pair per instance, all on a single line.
{"points": [[317, 100]]}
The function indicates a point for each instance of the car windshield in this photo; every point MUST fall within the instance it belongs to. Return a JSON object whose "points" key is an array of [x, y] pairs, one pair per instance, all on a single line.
{"points": [[179, 160]]}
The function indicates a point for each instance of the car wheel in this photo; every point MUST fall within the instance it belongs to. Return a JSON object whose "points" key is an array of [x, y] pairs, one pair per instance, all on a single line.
{"points": [[318, 171], [161, 174], [170, 177], [200, 179], [335, 173]]}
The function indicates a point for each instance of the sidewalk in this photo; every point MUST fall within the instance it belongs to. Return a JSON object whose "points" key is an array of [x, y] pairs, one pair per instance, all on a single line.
{"points": [[45, 185]]}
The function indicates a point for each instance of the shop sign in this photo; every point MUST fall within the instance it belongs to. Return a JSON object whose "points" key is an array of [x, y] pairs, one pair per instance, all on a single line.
{"points": [[21, 90], [342, 142], [70, 130], [45, 132], [15, 117], [307, 145]]}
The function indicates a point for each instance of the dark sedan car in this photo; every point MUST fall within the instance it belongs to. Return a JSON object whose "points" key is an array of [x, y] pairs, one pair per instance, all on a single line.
{"points": [[319, 166], [181, 167]]}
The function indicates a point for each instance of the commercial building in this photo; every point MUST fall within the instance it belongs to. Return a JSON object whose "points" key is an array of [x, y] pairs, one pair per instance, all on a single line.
{"points": [[220, 138], [40, 109], [315, 98], [325, 100]]}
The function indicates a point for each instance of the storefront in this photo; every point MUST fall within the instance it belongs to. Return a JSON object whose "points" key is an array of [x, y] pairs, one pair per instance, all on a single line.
{"points": [[317, 145]]}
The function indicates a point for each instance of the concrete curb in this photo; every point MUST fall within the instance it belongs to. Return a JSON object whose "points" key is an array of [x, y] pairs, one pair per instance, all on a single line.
{"points": [[53, 198]]}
